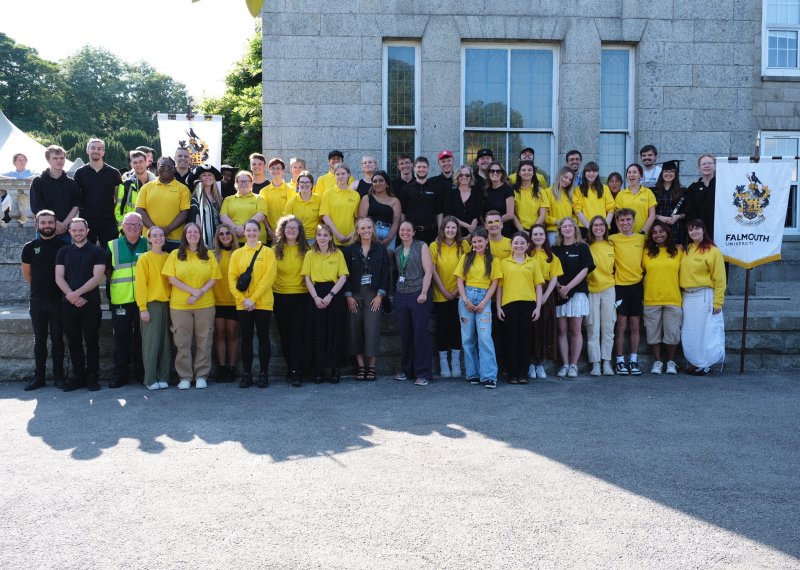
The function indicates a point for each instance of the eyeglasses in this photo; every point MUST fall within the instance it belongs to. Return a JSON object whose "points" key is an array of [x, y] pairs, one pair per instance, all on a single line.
{"points": [[304, 182], [132, 225], [224, 233]]}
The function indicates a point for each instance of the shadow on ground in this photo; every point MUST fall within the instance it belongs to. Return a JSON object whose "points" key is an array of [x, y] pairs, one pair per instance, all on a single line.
{"points": [[723, 449]]}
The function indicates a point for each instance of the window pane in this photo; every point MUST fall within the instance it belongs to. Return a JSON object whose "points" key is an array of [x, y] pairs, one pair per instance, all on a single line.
{"points": [[398, 141], [614, 78], [474, 141], [400, 88], [782, 146], [612, 153], [783, 12], [539, 142], [485, 88], [782, 49], [532, 89]]}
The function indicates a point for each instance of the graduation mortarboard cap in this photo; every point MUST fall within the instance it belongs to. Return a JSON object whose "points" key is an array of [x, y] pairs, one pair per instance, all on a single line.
{"points": [[672, 165]]}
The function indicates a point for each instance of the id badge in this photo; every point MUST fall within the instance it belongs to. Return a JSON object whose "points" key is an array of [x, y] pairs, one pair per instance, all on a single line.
{"points": [[366, 279], [401, 279], [120, 312]]}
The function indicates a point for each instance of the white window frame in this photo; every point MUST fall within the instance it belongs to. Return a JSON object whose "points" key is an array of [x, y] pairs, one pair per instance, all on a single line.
{"points": [[766, 27], [385, 100], [555, 48], [629, 150], [763, 135]]}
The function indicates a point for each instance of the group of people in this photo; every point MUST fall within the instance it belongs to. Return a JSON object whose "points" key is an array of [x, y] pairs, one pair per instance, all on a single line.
{"points": [[197, 260]]}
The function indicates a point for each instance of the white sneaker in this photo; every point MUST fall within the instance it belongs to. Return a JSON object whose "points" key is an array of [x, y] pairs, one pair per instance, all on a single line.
{"points": [[184, 384], [607, 369], [163, 384], [200, 383], [573, 371], [672, 368], [595, 369], [658, 367], [455, 363], [540, 373], [562, 372], [532, 371], [154, 386], [444, 365]]}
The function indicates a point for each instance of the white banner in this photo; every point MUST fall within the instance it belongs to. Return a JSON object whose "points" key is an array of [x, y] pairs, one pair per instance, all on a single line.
{"points": [[200, 134], [750, 209]]}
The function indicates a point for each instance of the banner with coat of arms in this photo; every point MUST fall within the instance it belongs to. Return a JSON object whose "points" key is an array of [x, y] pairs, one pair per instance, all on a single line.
{"points": [[750, 209], [201, 135]]}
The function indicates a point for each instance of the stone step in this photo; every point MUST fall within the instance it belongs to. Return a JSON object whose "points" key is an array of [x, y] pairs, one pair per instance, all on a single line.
{"points": [[786, 289]]}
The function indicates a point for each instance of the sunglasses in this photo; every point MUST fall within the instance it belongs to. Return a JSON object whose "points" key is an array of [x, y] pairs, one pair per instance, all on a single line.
{"points": [[495, 171]]}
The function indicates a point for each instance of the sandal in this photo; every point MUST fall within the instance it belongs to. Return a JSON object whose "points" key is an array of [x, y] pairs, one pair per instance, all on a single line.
{"points": [[361, 374], [372, 374]]}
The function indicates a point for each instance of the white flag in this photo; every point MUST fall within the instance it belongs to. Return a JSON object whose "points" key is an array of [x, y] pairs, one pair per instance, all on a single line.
{"points": [[750, 209], [201, 135]]}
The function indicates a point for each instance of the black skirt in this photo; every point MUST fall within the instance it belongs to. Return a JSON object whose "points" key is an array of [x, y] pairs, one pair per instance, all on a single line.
{"points": [[326, 331]]}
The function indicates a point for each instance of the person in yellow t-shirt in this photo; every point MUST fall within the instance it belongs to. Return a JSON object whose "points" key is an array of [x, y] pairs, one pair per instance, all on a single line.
{"points": [[560, 198], [629, 291], [531, 201], [226, 323], [305, 205], [602, 297], [243, 206], [165, 202], [340, 206], [519, 294], [192, 271], [152, 296], [592, 198], [290, 292], [254, 301], [703, 280], [446, 251], [638, 198], [545, 328], [328, 180], [663, 315], [499, 245], [325, 272], [276, 194], [477, 274]]}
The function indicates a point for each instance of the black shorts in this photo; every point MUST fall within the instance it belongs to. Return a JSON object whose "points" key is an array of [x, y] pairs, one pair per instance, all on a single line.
{"points": [[227, 312], [630, 299]]}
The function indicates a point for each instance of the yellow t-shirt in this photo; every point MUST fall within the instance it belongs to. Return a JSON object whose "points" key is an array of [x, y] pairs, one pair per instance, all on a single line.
{"points": [[662, 278], [592, 205], [342, 207], [627, 258], [640, 203], [500, 248], [306, 212], [150, 284], [289, 279], [325, 268], [263, 276], [603, 275], [704, 269], [194, 272], [549, 269], [561, 208], [512, 179], [519, 280], [328, 182], [163, 202], [445, 260], [222, 293], [242, 208], [275, 199], [526, 205], [476, 277]]}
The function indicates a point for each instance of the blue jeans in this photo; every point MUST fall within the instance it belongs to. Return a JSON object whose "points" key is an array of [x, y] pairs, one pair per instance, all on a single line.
{"points": [[476, 337], [382, 231]]}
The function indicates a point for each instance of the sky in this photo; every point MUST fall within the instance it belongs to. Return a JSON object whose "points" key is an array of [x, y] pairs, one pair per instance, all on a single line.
{"points": [[181, 34]]}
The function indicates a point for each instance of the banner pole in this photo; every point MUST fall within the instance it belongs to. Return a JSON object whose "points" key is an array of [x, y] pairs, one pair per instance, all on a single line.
{"points": [[743, 348]]}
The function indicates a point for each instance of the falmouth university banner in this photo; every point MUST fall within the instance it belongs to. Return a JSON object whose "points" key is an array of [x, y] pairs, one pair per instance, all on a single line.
{"points": [[201, 135], [750, 210]]}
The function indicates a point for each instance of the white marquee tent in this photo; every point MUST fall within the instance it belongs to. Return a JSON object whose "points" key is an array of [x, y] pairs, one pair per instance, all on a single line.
{"points": [[13, 140]]}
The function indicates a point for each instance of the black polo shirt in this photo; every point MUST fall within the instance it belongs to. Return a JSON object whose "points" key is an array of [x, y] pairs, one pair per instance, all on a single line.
{"points": [[41, 254], [57, 194], [79, 265], [421, 203], [98, 191]]}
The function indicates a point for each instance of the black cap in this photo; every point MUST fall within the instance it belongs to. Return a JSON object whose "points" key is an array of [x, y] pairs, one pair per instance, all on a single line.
{"points": [[670, 165], [333, 153], [485, 152]]}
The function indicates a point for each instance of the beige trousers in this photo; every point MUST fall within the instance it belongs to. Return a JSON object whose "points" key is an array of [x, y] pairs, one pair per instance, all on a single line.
{"points": [[193, 326]]}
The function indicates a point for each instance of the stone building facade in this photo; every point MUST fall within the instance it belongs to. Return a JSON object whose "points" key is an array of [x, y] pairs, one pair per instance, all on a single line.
{"points": [[604, 77]]}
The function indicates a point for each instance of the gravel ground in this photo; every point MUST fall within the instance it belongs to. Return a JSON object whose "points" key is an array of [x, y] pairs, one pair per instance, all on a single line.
{"points": [[647, 472]]}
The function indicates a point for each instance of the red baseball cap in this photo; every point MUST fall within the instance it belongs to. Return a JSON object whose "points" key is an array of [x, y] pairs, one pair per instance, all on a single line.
{"points": [[445, 154]]}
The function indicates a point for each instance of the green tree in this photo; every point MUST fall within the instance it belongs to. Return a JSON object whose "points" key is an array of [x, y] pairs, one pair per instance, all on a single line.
{"points": [[240, 106]]}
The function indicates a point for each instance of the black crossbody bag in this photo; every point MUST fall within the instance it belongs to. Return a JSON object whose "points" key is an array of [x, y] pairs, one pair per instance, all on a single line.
{"points": [[243, 282]]}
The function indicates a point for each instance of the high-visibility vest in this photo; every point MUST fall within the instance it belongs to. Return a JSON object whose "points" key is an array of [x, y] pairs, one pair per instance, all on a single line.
{"points": [[123, 268]]}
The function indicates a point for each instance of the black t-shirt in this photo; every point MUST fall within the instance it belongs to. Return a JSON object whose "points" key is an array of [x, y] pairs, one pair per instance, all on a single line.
{"points": [[41, 255], [496, 200], [574, 258], [421, 203], [472, 209], [257, 186], [79, 265], [98, 191]]}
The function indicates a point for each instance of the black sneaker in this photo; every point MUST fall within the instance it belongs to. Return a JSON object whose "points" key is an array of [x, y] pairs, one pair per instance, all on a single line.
{"points": [[246, 381], [475, 381], [633, 368], [622, 369], [263, 380]]}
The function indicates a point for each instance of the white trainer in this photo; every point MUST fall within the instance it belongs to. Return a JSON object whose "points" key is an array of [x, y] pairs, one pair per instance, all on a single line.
{"points": [[672, 368], [562, 372], [658, 367], [163, 384], [595, 369], [540, 373], [200, 383], [532, 371], [154, 386], [608, 370], [184, 384], [572, 372]]}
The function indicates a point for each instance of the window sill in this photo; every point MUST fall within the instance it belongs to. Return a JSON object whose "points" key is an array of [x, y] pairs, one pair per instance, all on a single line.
{"points": [[781, 78]]}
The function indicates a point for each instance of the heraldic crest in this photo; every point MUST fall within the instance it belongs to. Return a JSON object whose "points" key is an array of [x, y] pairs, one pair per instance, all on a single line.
{"points": [[197, 147], [751, 199]]}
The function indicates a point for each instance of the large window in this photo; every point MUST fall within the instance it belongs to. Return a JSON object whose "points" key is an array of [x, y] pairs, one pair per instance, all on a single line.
{"points": [[781, 143], [509, 95], [616, 109], [779, 32], [400, 102]]}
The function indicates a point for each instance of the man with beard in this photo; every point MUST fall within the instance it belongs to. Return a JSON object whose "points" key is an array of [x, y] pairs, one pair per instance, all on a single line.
{"points": [[132, 182], [574, 160], [183, 166], [648, 156], [55, 191], [79, 269], [444, 181], [483, 159], [39, 269], [165, 202], [98, 184]]}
